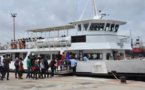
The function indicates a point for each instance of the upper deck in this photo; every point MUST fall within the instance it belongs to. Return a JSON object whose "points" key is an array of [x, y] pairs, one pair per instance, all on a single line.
{"points": [[87, 33]]}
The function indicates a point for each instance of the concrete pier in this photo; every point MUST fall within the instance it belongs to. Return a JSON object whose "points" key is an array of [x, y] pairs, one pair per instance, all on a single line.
{"points": [[69, 83]]}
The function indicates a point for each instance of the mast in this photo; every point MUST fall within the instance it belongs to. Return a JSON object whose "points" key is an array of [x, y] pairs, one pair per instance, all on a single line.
{"points": [[94, 7]]}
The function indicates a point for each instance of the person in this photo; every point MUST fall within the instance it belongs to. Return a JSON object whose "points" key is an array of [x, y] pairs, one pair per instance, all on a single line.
{"points": [[28, 67], [36, 69], [0, 67], [16, 64], [119, 57], [67, 58], [52, 64], [73, 64], [20, 69], [62, 60], [58, 56], [85, 57], [6, 62], [46, 67], [23, 42], [42, 66], [39, 71], [32, 65]]}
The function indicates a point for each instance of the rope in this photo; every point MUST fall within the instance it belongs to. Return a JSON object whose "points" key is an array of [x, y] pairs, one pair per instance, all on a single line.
{"points": [[115, 76]]}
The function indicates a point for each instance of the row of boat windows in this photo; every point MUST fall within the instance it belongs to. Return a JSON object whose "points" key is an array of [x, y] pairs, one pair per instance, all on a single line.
{"points": [[99, 27], [90, 56]]}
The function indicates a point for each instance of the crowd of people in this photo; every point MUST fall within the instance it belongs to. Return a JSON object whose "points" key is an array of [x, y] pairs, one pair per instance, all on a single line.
{"points": [[38, 67], [21, 43]]}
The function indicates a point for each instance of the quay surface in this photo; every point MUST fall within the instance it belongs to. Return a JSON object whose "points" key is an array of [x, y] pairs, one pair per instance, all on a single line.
{"points": [[69, 83]]}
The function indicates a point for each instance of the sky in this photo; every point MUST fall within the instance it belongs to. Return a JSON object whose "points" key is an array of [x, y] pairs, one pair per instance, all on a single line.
{"points": [[34, 14]]}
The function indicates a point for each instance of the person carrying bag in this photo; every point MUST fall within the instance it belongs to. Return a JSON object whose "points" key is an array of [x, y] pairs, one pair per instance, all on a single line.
{"points": [[20, 69]]}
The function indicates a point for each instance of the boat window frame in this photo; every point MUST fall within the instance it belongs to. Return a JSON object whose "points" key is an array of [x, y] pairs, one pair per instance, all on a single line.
{"points": [[86, 29], [116, 30], [112, 27], [96, 57], [99, 29], [79, 28], [109, 27]]}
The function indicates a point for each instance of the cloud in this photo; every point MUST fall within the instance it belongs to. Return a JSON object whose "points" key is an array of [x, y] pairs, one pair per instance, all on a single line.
{"points": [[34, 14]]}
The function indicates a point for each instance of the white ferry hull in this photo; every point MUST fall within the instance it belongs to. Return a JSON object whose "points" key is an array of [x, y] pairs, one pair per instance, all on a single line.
{"points": [[105, 67]]}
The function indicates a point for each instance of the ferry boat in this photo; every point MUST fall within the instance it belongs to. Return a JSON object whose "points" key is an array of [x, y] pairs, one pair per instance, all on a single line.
{"points": [[95, 37]]}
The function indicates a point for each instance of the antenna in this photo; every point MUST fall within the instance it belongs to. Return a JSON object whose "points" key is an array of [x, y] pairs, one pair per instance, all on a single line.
{"points": [[96, 15], [84, 10]]}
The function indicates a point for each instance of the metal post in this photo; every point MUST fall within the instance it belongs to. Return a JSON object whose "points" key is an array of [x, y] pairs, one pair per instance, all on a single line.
{"points": [[49, 34], [67, 32], [28, 34], [14, 15]]}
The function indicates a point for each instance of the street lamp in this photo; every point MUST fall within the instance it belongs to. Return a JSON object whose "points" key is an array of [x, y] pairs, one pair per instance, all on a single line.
{"points": [[14, 15]]}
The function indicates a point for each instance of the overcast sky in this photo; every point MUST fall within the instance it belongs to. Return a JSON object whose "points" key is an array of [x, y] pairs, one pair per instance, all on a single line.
{"points": [[34, 14]]}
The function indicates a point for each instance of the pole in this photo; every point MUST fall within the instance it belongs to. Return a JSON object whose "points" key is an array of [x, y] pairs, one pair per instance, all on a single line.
{"points": [[14, 26], [13, 15]]}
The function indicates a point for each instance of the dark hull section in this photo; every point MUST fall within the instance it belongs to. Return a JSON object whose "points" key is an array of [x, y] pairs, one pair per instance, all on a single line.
{"points": [[129, 76]]}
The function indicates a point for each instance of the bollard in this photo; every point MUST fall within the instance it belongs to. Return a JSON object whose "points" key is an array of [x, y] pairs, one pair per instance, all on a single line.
{"points": [[123, 79]]}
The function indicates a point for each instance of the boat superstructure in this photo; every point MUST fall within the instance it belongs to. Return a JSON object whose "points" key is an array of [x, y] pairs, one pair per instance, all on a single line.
{"points": [[96, 37]]}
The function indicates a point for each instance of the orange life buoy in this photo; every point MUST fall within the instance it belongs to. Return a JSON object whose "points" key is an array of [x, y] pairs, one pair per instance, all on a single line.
{"points": [[21, 45], [13, 45], [5, 47]]}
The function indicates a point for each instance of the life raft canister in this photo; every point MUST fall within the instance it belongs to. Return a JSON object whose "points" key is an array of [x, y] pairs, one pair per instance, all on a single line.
{"points": [[13, 45], [5, 47], [21, 45]]}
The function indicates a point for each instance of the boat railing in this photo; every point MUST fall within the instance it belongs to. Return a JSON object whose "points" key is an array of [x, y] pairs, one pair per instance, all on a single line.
{"points": [[62, 42]]}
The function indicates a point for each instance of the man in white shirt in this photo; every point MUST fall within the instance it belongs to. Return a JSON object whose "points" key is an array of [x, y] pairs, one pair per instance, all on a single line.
{"points": [[73, 64], [85, 58], [1, 59]]}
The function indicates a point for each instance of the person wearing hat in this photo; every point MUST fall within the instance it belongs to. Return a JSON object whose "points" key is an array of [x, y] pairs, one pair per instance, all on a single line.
{"points": [[85, 57]]}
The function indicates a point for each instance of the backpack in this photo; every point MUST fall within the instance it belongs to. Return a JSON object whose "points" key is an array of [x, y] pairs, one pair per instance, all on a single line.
{"points": [[16, 63]]}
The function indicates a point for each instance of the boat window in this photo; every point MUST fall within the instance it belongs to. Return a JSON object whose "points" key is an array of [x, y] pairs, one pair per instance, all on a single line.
{"points": [[96, 26], [107, 27], [76, 55], [116, 28], [79, 27], [109, 56], [86, 26], [76, 39], [112, 27], [44, 56], [24, 56], [94, 56]]}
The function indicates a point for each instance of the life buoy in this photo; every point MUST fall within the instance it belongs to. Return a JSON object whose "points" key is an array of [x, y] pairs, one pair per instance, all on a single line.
{"points": [[13, 45], [21, 45], [5, 47]]}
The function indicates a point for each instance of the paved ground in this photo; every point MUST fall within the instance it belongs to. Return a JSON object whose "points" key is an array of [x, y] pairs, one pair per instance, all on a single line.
{"points": [[69, 83]]}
